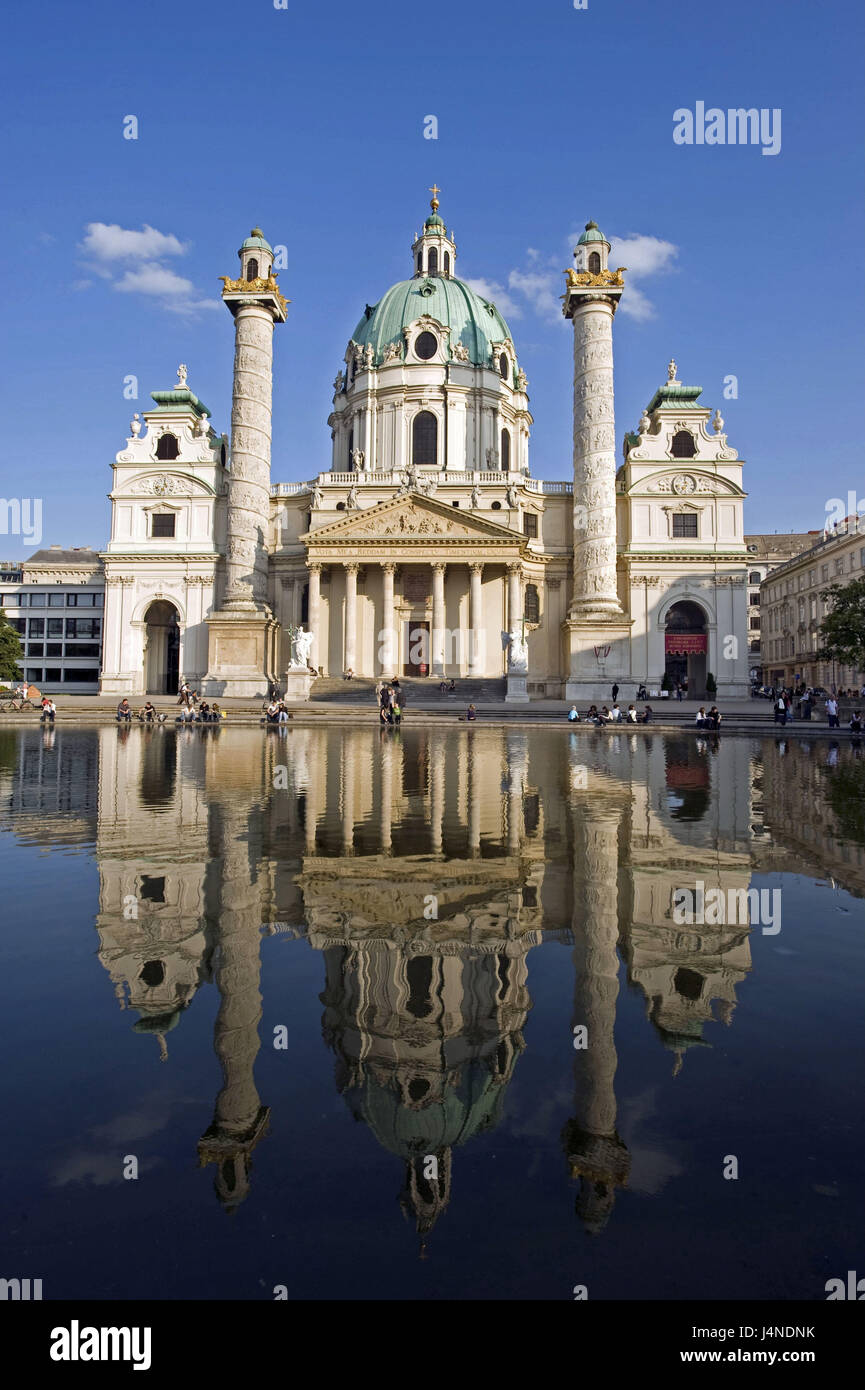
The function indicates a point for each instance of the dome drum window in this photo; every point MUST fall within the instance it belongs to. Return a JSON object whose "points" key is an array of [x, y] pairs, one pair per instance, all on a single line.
{"points": [[503, 366], [424, 440]]}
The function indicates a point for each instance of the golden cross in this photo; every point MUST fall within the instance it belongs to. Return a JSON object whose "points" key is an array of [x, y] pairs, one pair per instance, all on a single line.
{"points": [[435, 191]]}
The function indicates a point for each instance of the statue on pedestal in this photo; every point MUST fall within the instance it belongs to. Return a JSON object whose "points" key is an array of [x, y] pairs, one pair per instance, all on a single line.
{"points": [[518, 652], [301, 646]]}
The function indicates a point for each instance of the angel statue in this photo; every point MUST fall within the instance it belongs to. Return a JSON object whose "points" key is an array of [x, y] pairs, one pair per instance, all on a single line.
{"points": [[301, 647]]}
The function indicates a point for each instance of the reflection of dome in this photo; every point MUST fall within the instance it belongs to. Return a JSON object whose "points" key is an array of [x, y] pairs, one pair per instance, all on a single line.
{"points": [[465, 1109], [473, 321]]}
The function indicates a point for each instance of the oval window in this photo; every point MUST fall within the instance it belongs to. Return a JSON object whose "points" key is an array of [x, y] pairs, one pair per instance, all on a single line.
{"points": [[426, 346]]}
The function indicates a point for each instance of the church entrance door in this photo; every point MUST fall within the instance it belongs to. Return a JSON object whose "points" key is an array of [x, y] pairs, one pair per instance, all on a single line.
{"points": [[162, 649], [416, 649], [686, 647]]}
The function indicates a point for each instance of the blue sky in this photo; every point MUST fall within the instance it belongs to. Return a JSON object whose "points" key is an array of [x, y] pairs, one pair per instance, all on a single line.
{"points": [[309, 121]]}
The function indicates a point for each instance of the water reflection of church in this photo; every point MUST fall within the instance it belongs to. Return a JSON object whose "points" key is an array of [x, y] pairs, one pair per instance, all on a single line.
{"points": [[513, 840]]}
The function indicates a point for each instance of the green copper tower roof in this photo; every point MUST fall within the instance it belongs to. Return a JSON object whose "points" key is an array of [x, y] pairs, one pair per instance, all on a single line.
{"points": [[592, 233], [257, 240]]}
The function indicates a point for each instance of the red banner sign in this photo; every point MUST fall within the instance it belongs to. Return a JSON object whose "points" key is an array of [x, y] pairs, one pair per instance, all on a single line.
{"points": [[685, 643]]}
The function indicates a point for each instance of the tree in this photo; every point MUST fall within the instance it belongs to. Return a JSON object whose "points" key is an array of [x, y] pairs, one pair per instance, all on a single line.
{"points": [[843, 629], [10, 650], [711, 685]]}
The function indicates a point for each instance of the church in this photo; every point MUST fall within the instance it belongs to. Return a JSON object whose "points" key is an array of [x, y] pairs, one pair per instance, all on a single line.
{"points": [[427, 549]]}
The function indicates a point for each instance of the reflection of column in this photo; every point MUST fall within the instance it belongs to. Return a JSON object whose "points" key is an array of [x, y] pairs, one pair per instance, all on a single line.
{"points": [[311, 807], [596, 1153], [474, 798], [347, 760], [476, 570], [349, 647], [437, 795], [239, 1120], [314, 612], [386, 808], [515, 607], [438, 619], [388, 657]]}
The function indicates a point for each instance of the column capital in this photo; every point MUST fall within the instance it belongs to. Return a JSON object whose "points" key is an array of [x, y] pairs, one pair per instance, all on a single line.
{"points": [[314, 567], [389, 566], [351, 566], [439, 566], [515, 567], [476, 566]]}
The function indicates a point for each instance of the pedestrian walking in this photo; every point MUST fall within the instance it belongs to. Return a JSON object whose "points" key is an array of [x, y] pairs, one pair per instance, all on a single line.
{"points": [[615, 692]]}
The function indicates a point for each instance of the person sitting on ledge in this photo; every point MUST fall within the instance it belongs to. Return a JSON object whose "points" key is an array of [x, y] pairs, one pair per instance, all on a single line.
{"points": [[147, 713], [282, 714], [272, 712], [646, 717], [348, 674], [124, 710], [443, 686], [856, 722], [700, 718], [216, 713], [471, 712], [574, 715], [452, 686], [592, 714], [631, 715], [713, 718], [604, 716]]}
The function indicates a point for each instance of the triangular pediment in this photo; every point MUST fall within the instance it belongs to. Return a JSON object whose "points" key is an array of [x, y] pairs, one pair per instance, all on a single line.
{"points": [[412, 517]]}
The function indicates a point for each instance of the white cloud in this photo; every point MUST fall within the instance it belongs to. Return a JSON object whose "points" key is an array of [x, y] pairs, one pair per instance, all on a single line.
{"points": [[541, 289], [643, 256], [110, 242], [136, 257], [498, 295]]}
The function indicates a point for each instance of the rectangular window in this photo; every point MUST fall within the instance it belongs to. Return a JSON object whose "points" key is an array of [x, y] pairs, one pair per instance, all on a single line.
{"points": [[56, 600], [83, 649], [53, 648], [9, 601], [98, 600], [53, 673], [754, 600], [37, 600], [824, 572], [33, 675], [55, 627], [81, 677], [862, 557], [18, 625], [36, 627], [162, 524], [530, 524], [755, 624], [685, 524], [83, 627], [35, 649]]}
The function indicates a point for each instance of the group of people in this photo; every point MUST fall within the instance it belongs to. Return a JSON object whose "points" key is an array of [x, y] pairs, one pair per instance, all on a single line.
{"points": [[190, 713], [605, 715], [783, 708], [49, 710], [276, 712], [712, 720], [390, 702], [200, 713]]}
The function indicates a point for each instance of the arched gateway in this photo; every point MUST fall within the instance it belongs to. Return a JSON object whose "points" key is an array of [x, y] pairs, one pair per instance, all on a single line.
{"points": [[686, 646], [161, 648]]}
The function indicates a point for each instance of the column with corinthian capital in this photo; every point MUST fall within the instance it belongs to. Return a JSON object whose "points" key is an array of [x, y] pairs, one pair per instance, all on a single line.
{"points": [[438, 619], [476, 621], [350, 618], [388, 632]]}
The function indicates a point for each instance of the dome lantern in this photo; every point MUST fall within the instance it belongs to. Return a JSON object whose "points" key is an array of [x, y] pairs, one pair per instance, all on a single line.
{"points": [[434, 252], [592, 250]]}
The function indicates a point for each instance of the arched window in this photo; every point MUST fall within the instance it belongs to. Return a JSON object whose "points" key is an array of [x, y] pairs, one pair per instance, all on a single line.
{"points": [[252, 269], [420, 262], [503, 367], [432, 262], [447, 262], [754, 577], [683, 445], [424, 440], [594, 263], [167, 446], [532, 604], [350, 450], [506, 451]]}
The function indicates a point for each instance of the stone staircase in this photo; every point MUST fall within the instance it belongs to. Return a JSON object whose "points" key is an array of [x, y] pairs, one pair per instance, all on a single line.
{"points": [[361, 690]]}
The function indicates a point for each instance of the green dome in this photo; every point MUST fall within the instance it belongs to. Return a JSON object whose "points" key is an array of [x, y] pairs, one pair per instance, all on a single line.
{"points": [[592, 233], [434, 221], [473, 1105], [473, 321], [257, 240]]}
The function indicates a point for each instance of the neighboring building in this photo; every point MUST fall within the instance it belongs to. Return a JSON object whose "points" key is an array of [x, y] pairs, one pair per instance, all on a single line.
{"points": [[765, 553], [794, 600], [55, 602], [427, 548]]}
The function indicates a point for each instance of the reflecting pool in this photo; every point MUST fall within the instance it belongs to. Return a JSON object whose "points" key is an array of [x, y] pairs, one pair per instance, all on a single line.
{"points": [[453, 1012]]}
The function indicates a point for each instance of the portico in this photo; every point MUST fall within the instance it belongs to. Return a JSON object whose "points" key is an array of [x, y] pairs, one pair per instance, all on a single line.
{"points": [[406, 587]]}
